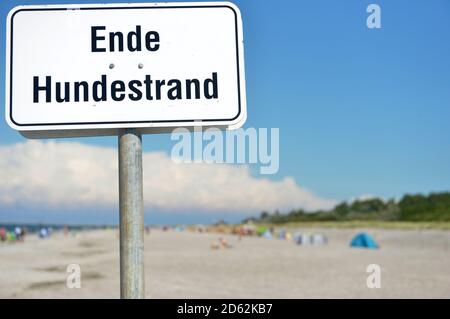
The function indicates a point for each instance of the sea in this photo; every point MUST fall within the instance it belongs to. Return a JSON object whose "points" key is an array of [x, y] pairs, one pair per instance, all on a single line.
{"points": [[35, 227]]}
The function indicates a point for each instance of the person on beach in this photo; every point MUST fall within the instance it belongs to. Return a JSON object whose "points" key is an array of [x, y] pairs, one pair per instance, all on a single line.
{"points": [[3, 234], [224, 243], [10, 236], [19, 233], [43, 232], [221, 244]]}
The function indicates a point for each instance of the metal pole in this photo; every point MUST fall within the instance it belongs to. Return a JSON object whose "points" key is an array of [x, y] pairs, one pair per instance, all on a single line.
{"points": [[131, 215]]}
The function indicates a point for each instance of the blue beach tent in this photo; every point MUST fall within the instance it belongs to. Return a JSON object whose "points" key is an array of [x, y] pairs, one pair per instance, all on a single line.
{"points": [[363, 240]]}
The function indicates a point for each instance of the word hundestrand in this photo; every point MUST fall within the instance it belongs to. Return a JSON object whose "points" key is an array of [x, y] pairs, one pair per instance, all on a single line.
{"points": [[117, 90]]}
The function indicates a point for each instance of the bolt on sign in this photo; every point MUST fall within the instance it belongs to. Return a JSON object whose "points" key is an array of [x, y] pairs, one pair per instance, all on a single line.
{"points": [[82, 70]]}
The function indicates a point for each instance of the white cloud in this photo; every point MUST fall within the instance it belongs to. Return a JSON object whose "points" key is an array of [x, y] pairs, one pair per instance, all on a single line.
{"points": [[72, 174]]}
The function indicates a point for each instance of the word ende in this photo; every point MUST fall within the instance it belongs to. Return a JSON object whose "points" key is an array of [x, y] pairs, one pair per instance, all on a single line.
{"points": [[134, 90], [151, 40]]}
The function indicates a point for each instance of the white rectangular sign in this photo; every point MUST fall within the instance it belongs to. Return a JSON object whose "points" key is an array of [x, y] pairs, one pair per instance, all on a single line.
{"points": [[75, 70]]}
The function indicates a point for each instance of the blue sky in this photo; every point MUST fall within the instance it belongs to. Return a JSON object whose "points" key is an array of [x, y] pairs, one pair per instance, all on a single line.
{"points": [[360, 111]]}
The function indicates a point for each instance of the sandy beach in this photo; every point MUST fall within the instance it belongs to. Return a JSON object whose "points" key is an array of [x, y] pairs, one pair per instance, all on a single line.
{"points": [[414, 264]]}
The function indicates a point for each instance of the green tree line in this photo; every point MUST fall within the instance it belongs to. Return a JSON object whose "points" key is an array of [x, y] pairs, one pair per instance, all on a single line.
{"points": [[432, 207]]}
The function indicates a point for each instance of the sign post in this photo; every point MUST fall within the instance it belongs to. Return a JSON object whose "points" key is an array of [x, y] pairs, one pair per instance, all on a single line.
{"points": [[131, 215], [125, 70]]}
